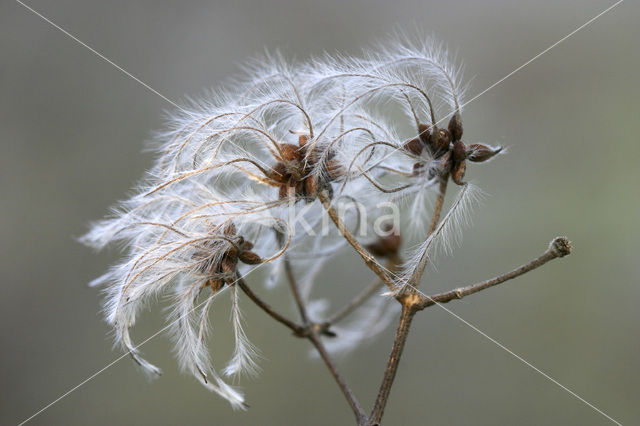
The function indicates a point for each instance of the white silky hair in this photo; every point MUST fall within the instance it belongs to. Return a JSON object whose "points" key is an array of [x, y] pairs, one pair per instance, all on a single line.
{"points": [[446, 235], [189, 331], [213, 170], [244, 353]]}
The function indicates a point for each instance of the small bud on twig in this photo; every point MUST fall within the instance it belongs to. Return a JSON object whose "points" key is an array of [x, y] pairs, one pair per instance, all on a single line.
{"points": [[560, 246]]}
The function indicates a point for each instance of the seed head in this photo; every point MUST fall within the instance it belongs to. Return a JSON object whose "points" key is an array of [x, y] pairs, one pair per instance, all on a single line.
{"points": [[229, 167]]}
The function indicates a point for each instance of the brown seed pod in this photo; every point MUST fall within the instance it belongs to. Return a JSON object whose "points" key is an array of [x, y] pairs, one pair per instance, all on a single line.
{"points": [[310, 186], [386, 245], [246, 245], [457, 172], [414, 146], [250, 258], [228, 264], [478, 152], [455, 126], [302, 140], [440, 141], [290, 152], [424, 133], [377, 249], [459, 152], [392, 242], [284, 191], [214, 284], [279, 173]]}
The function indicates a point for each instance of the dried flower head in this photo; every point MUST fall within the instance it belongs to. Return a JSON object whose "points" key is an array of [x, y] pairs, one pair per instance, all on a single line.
{"points": [[230, 167]]}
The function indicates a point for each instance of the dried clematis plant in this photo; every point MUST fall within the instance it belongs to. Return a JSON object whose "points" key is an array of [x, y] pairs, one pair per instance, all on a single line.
{"points": [[283, 169]]}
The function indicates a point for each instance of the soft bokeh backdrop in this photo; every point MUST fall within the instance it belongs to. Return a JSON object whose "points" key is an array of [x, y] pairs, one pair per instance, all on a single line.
{"points": [[72, 130]]}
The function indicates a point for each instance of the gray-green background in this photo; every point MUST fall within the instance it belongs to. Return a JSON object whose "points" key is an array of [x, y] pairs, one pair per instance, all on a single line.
{"points": [[72, 129]]}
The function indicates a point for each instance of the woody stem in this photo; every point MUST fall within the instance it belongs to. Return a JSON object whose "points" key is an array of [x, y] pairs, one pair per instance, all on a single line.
{"points": [[368, 259], [293, 285], [402, 333], [312, 334], [297, 329], [559, 247], [413, 300], [437, 210]]}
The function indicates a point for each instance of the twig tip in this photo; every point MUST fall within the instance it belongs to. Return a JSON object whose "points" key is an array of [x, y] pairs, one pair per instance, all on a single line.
{"points": [[560, 246]]}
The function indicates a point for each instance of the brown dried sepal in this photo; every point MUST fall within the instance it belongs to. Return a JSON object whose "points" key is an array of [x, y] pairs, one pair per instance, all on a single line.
{"points": [[414, 146], [459, 152], [279, 173], [455, 127], [222, 267], [290, 152], [459, 165], [441, 140], [457, 173], [479, 153], [293, 174], [436, 140], [214, 284], [228, 264], [310, 186], [249, 257], [386, 245], [424, 134]]}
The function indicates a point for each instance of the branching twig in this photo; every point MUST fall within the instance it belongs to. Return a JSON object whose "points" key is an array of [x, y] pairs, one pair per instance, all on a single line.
{"points": [[361, 417], [559, 247], [311, 332], [297, 329], [392, 364], [293, 285], [437, 209], [413, 300]]}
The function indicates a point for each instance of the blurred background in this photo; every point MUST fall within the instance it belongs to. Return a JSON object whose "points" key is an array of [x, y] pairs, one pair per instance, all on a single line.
{"points": [[72, 131]]}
